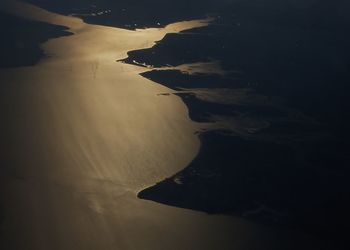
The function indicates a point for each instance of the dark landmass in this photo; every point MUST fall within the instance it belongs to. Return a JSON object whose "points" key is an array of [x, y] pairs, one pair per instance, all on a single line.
{"points": [[20, 40], [132, 14], [293, 172], [264, 181], [152, 13], [305, 65], [176, 80]]}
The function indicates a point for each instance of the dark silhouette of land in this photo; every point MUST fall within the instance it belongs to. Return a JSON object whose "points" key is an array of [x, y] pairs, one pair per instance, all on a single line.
{"points": [[292, 172], [20, 40]]}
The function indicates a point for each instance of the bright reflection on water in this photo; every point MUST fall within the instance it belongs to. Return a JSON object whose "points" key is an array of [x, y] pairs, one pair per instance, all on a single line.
{"points": [[90, 133]]}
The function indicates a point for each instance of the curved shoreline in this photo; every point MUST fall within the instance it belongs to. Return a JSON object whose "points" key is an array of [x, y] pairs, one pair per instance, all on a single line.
{"points": [[267, 146], [80, 150]]}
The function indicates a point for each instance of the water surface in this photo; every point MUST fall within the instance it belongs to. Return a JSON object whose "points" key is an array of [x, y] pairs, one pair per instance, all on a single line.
{"points": [[86, 133]]}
